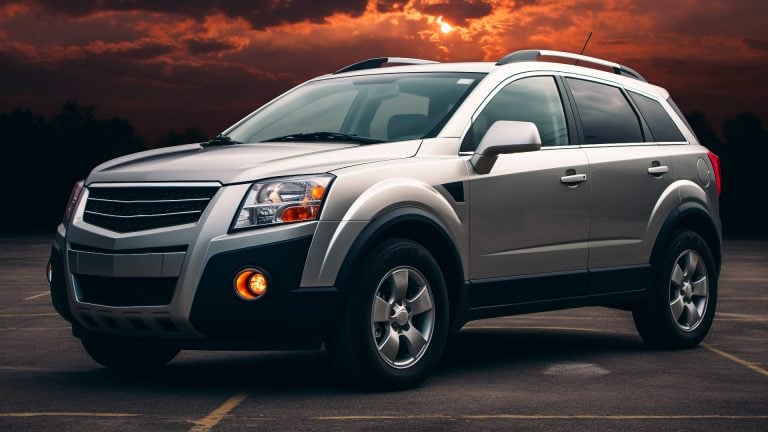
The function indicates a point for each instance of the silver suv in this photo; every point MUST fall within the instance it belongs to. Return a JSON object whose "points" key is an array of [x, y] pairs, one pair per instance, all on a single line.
{"points": [[375, 210]]}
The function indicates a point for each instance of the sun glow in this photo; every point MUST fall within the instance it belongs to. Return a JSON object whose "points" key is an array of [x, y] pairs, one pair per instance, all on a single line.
{"points": [[444, 26]]}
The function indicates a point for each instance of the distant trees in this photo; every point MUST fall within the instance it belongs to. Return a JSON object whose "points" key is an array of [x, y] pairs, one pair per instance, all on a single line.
{"points": [[41, 158], [187, 136], [743, 152]]}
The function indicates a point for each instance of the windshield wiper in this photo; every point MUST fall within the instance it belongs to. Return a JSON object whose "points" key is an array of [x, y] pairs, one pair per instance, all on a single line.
{"points": [[220, 140], [325, 136]]}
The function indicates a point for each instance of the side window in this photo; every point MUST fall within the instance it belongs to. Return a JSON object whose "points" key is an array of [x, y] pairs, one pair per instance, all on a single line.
{"points": [[534, 99], [663, 128], [606, 116]]}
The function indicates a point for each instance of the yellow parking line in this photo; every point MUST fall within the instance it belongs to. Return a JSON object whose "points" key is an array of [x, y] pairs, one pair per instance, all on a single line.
{"points": [[392, 417], [744, 298], [212, 419], [546, 417], [743, 316], [514, 327], [7, 315], [32, 297], [733, 358], [613, 417], [66, 414]]}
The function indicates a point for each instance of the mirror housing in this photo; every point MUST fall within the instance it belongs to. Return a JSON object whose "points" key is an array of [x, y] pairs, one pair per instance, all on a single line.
{"points": [[504, 137]]}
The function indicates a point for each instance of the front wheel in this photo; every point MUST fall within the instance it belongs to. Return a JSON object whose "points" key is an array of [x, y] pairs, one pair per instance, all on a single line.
{"points": [[395, 319], [680, 307]]}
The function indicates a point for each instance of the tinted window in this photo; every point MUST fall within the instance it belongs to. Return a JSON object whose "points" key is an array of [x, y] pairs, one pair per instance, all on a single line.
{"points": [[534, 99], [662, 127], [606, 116]]}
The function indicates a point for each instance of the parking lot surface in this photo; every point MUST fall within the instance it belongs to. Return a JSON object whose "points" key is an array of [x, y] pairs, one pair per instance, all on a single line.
{"points": [[583, 369]]}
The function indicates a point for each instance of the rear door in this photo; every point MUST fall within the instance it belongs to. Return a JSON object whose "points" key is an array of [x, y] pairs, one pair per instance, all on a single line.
{"points": [[529, 231], [629, 172]]}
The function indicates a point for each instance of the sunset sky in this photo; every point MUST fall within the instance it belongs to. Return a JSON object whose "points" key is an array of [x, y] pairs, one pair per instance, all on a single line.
{"points": [[172, 64]]}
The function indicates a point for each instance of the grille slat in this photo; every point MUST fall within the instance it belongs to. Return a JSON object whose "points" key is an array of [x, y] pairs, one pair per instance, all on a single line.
{"points": [[130, 209]]}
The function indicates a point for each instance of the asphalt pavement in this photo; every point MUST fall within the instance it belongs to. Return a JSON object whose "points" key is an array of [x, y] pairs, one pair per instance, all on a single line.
{"points": [[582, 369]]}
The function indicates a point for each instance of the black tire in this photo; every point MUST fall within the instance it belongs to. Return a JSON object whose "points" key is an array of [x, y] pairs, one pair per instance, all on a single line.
{"points": [[654, 317], [127, 358], [353, 347]]}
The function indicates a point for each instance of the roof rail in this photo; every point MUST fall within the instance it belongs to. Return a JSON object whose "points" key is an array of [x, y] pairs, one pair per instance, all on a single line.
{"points": [[532, 55], [378, 61]]}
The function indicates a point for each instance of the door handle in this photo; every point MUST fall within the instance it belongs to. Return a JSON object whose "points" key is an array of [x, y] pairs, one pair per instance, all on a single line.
{"points": [[658, 170], [573, 179]]}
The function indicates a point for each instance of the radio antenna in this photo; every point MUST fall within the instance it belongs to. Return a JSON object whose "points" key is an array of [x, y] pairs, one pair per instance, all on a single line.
{"points": [[584, 47]]}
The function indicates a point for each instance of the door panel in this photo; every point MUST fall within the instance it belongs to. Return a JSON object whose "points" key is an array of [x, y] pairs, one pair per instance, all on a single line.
{"points": [[624, 195], [524, 220]]}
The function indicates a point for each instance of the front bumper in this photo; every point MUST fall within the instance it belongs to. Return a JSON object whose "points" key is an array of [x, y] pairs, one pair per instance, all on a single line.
{"points": [[199, 263]]}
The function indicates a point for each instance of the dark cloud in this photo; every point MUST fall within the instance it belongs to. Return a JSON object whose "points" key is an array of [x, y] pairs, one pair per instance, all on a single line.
{"points": [[756, 43], [259, 13], [457, 10], [147, 50], [208, 46], [154, 96]]}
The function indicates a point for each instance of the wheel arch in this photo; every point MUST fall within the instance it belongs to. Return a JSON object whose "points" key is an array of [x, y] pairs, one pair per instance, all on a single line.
{"points": [[422, 227], [694, 216]]}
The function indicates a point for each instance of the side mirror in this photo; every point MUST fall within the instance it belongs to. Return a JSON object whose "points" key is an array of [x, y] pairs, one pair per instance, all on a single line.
{"points": [[504, 137]]}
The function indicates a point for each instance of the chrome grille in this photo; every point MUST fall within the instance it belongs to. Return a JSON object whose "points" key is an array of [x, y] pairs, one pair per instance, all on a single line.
{"points": [[130, 209]]}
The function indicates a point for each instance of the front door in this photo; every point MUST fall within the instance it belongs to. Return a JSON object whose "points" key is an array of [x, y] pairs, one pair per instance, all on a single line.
{"points": [[529, 221]]}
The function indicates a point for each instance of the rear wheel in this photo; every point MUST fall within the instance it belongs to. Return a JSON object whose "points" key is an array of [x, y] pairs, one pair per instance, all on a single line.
{"points": [[126, 357], [680, 306], [395, 320]]}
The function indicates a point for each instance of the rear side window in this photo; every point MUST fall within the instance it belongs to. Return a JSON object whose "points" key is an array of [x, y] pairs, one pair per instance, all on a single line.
{"points": [[663, 128], [606, 116], [533, 99]]}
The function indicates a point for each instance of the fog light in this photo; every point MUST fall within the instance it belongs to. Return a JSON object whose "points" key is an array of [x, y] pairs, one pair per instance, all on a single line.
{"points": [[49, 272], [251, 284]]}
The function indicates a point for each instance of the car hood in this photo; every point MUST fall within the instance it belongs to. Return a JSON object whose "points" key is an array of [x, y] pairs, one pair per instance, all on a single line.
{"points": [[244, 162]]}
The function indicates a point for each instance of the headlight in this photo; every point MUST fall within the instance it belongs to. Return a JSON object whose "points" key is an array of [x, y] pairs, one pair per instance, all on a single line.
{"points": [[74, 197], [283, 200]]}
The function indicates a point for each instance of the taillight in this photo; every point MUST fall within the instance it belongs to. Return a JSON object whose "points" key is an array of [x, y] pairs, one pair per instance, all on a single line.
{"points": [[716, 166]]}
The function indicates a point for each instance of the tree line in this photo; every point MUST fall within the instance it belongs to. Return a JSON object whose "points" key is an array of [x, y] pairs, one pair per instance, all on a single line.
{"points": [[42, 157]]}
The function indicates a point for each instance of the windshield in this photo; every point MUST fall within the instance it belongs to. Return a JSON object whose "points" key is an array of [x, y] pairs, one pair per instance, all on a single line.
{"points": [[361, 109]]}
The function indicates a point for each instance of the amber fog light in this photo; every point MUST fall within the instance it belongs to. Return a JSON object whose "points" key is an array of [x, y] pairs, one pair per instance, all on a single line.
{"points": [[251, 284]]}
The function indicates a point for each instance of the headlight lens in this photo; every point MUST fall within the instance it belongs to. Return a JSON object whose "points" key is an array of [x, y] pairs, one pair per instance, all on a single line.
{"points": [[284, 200], [74, 197]]}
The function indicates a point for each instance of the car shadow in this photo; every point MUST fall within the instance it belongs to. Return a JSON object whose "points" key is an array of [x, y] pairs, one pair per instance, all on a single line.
{"points": [[470, 352]]}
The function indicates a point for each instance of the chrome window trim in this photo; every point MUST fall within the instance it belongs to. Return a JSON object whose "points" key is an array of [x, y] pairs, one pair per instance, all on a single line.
{"points": [[501, 86]]}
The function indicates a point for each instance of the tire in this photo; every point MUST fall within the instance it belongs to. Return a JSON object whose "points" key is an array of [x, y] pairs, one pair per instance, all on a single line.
{"points": [[395, 320], [680, 306], [128, 358]]}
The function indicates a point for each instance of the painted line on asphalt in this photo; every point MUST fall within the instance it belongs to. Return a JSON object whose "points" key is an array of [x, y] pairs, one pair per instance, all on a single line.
{"points": [[66, 414], [744, 298], [211, 420], [738, 360], [33, 328], [32, 297], [17, 315], [545, 417], [743, 316], [578, 329]]}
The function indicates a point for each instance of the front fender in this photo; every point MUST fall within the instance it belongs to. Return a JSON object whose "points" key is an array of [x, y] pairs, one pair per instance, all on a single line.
{"points": [[334, 240]]}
